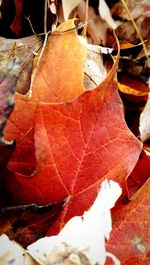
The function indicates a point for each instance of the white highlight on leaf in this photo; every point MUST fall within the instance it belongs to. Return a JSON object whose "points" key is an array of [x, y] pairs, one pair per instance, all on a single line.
{"points": [[87, 233], [106, 15]]}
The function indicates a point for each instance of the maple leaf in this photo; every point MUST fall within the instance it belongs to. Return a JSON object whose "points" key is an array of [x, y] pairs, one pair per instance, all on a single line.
{"points": [[26, 220], [129, 239], [52, 84], [78, 138]]}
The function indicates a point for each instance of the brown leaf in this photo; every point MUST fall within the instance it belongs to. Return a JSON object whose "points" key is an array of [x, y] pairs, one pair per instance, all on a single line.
{"points": [[136, 8], [9, 71], [27, 223], [96, 28], [24, 50], [95, 71]]}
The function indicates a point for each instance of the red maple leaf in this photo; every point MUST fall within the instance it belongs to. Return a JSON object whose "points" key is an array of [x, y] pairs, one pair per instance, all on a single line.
{"points": [[72, 139]]}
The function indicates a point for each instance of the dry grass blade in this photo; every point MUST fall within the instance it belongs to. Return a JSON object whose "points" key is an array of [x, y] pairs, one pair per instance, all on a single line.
{"points": [[43, 47], [137, 30]]}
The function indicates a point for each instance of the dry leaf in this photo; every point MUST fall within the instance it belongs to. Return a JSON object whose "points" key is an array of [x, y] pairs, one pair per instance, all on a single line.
{"points": [[28, 223], [68, 6], [72, 139], [96, 28], [9, 71], [106, 15], [137, 8], [55, 80], [24, 50], [95, 71]]}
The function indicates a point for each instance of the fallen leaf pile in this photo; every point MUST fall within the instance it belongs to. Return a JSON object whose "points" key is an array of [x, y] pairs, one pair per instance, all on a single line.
{"points": [[71, 117]]}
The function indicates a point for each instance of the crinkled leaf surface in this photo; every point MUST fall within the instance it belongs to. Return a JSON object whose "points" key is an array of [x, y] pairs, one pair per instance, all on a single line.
{"points": [[130, 237], [78, 140]]}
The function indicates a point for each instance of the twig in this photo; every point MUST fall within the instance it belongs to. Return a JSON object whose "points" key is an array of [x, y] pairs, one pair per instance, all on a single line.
{"points": [[30, 23], [86, 18], [137, 30], [45, 17], [86, 14], [43, 48]]}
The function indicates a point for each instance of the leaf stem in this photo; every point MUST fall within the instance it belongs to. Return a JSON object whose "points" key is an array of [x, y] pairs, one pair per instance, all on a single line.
{"points": [[45, 16]]}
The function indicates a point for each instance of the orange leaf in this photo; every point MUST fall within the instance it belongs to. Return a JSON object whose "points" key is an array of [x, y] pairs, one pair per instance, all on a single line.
{"points": [[60, 74], [133, 88], [128, 45], [59, 77], [78, 138], [77, 144], [131, 91]]}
